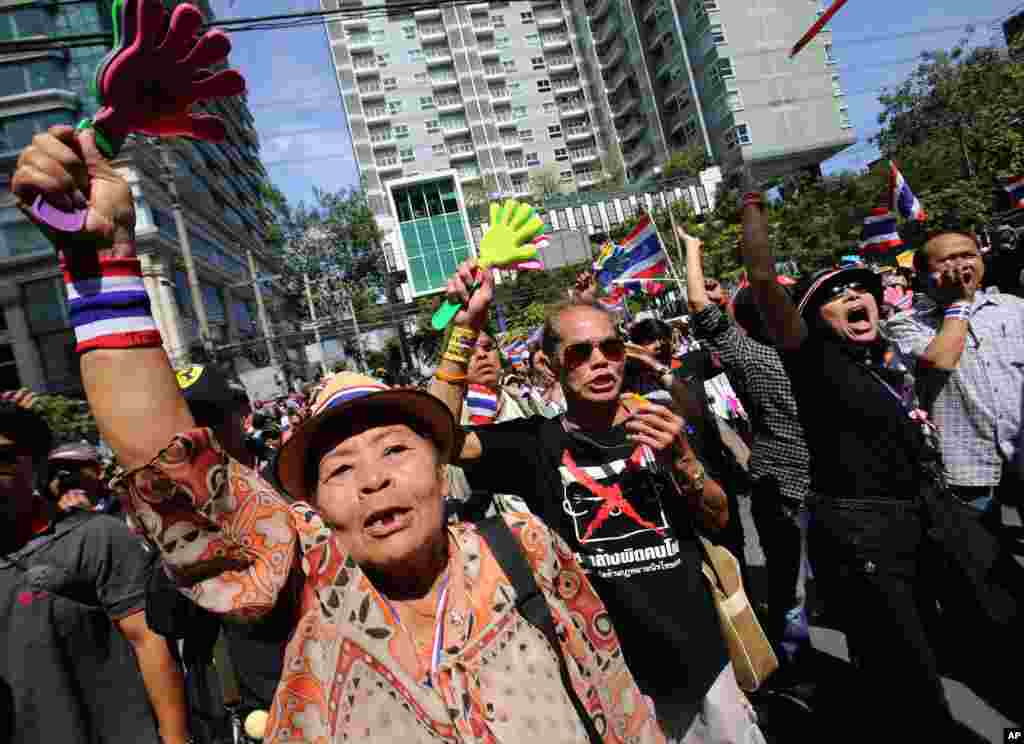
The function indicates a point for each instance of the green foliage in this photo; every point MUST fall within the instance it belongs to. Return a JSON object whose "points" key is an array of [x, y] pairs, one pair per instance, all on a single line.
{"points": [[687, 162], [69, 419], [544, 182]]}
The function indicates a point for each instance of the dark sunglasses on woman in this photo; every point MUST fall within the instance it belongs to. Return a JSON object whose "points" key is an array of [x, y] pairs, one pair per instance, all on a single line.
{"points": [[612, 349]]}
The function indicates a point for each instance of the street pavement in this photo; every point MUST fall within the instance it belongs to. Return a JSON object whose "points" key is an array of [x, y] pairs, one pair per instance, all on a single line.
{"points": [[968, 708]]}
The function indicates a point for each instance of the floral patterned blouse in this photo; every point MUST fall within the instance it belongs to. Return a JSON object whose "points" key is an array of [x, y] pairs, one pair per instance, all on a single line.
{"points": [[351, 671]]}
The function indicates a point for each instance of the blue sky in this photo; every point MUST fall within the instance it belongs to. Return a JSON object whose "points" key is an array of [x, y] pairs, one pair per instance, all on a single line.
{"points": [[305, 141]]}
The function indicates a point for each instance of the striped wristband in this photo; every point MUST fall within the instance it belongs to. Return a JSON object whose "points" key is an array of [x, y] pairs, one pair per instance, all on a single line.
{"points": [[957, 311], [108, 305]]}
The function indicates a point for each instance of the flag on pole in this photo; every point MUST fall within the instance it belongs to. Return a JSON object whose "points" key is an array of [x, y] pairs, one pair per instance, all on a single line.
{"points": [[879, 233], [1015, 189], [816, 27], [902, 198], [642, 254], [499, 315], [615, 302], [517, 352]]}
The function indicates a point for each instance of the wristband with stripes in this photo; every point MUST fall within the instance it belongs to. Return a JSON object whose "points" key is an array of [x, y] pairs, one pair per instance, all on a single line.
{"points": [[108, 305], [958, 311]]}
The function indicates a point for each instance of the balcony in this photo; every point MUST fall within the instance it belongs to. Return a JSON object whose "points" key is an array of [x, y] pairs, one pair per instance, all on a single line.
{"points": [[376, 114], [549, 20], [500, 94], [676, 93], [649, 10], [360, 43], [677, 121], [566, 85], [599, 9], [635, 158], [633, 129], [438, 56], [431, 32], [516, 164], [511, 143], [583, 154], [587, 178], [439, 82], [561, 64], [519, 186], [573, 107], [661, 35], [505, 120], [625, 104], [468, 175], [382, 139], [494, 72], [554, 41], [461, 151], [423, 15], [361, 22], [388, 163], [483, 26], [578, 132], [448, 103], [363, 62], [371, 90], [612, 56], [455, 129]]}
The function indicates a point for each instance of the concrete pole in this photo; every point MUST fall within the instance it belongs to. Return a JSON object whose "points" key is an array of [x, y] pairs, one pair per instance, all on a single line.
{"points": [[186, 251], [360, 362], [261, 308], [316, 326]]}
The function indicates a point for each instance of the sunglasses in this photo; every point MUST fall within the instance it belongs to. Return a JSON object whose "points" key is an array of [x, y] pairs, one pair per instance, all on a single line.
{"points": [[612, 349], [839, 290]]}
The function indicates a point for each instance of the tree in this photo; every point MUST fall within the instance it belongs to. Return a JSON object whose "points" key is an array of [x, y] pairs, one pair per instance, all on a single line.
{"points": [[687, 162], [478, 195], [69, 419], [545, 182], [613, 174]]}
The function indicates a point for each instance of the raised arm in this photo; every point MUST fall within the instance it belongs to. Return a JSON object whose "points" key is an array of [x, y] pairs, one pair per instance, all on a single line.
{"points": [[449, 383], [696, 294], [784, 323], [132, 389]]}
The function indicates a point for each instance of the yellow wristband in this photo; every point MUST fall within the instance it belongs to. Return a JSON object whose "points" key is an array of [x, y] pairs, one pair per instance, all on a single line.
{"points": [[461, 344], [450, 378]]}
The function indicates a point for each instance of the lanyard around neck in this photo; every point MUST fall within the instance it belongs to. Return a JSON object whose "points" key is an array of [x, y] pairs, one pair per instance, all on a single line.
{"points": [[435, 651]]}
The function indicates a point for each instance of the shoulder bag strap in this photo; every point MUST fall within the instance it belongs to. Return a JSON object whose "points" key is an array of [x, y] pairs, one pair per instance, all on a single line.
{"points": [[531, 603]]}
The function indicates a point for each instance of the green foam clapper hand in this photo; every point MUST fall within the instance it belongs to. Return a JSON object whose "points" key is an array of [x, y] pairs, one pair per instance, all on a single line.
{"points": [[506, 243]]}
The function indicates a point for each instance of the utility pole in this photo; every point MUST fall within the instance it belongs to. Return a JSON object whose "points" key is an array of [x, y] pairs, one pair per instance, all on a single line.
{"points": [[261, 308], [968, 165], [360, 362], [316, 325], [186, 250], [392, 293]]}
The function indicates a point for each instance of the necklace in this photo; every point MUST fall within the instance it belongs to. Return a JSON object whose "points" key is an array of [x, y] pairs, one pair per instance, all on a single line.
{"points": [[417, 644]]}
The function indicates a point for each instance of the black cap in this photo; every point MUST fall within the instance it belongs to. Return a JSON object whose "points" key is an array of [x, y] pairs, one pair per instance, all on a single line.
{"points": [[208, 393], [811, 292]]}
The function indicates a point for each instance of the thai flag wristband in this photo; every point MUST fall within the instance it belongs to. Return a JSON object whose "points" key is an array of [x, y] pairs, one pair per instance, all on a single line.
{"points": [[958, 311], [107, 303]]}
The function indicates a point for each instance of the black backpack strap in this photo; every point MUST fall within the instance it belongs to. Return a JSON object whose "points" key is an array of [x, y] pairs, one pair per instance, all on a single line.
{"points": [[531, 603]]}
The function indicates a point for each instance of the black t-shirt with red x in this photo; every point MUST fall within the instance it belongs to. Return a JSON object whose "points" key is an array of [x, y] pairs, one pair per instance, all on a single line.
{"points": [[632, 533]]}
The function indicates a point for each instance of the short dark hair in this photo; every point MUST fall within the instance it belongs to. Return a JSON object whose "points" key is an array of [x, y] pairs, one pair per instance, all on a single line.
{"points": [[921, 257], [552, 335], [648, 329]]}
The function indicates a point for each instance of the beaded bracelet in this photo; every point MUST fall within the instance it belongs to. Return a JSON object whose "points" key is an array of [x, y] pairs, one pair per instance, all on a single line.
{"points": [[107, 304], [461, 344]]}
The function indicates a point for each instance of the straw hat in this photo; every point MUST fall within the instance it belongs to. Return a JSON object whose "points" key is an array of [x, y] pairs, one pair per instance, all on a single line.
{"points": [[341, 396]]}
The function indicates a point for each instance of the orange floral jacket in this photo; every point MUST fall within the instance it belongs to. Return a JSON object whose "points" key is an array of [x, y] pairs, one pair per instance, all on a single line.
{"points": [[350, 669]]}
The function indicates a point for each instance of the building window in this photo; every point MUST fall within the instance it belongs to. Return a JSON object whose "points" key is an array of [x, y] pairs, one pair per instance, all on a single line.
{"points": [[519, 112], [725, 68], [595, 217], [401, 131], [515, 86], [628, 208], [502, 41], [509, 65], [407, 155], [561, 154], [717, 33], [426, 103], [439, 149], [532, 159], [710, 5], [420, 77], [526, 135], [548, 107], [537, 63], [743, 134], [837, 89], [384, 59], [526, 16], [433, 127], [844, 118], [415, 55], [394, 107], [734, 100], [390, 83], [829, 58], [409, 32], [533, 40], [377, 35], [18, 236], [498, 21], [566, 176], [543, 86], [555, 131]]}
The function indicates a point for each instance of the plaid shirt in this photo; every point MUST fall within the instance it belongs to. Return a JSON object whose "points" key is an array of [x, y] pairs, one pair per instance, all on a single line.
{"points": [[978, 406], [761, 381]]}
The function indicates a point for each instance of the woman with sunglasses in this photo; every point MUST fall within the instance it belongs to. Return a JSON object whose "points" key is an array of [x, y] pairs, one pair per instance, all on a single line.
{"points": [[869, 455]]}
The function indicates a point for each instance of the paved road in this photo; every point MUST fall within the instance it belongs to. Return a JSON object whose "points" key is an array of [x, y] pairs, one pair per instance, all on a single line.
{"points": [[967, 706]]}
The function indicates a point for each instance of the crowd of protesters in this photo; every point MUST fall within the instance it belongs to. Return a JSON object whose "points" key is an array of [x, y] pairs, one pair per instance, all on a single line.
{"points": [[520, 551]]}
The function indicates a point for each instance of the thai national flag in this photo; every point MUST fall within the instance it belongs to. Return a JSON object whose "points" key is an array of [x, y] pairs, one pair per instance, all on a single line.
{"points": [[517, 352], [614, 303], [903, 198], [879, 232], [642, 254], [1015, 189]]}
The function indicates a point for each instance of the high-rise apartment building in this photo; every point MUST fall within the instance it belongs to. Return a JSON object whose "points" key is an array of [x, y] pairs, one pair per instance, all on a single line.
{"points": [[717, 73], [493, 91], [219, 187]]}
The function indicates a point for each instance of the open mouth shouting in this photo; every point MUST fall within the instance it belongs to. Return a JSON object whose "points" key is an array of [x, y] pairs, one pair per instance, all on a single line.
{"points": [[860, 321]]}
